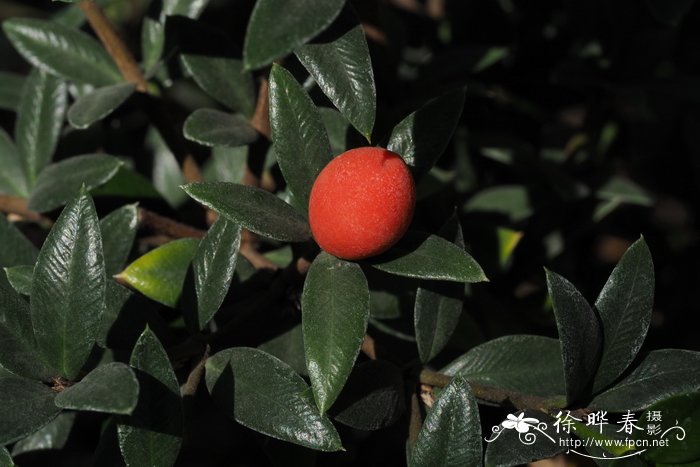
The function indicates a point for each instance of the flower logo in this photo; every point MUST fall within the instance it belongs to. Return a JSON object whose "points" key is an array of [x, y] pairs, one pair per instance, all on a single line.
{"points": [[520, 423]]}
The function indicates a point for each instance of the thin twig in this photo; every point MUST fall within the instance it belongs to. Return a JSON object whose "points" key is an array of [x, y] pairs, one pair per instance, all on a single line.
{"points": [[261, 118], [415, 423], [15, 205], [369, 347], [195, 376]]}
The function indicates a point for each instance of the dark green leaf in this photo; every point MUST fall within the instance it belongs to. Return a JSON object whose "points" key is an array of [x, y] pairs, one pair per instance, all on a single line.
{"points": [[5, 458], [660, 374], [299, 138], [510, 200], [422, 137], [427, 256], [252, 208], [684, 409], [90, 170], [579, 333], [110, 388], [223, 79], [334, 314], [527, 364], [96, 105], [152, 43], [68, 288], [39, 120], [12, 178], [451, 432], [128, 184], [189, 8], [20, 278], [343, 70], [438, 304], [153, 434], [116, 298], [10, 89], [52, 436], [624, 306], [277, 27], [16, 249], [215, 128], [25, 407], [289, 347], [225, 165], [268, 397], [337, 128], [167, 174], [62, 51], [17, 353], [670, 12], [214, 264], [118, 230], [160, 273]]}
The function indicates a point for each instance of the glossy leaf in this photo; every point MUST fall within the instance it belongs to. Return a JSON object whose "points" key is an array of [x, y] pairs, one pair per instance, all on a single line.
{"points": [[52, 436], [658, 375], [337, 128], [62, 51], [25, 407], [299, 138], [153, 434], [225, 165], [110, 388], [451, 432], [624, 306], [17, 353], [685, 410], [160, 273], [152, 43], [5, 458], [10, 89], [167, 174], [12, 178], [39, 120], [189, 8], [90, 170], [425, 256], [343, 70], [223, 79], [16, 248], [268, 397], [96, 105], [252, 208], [422, 137], [527, 364], [20, 278], [438, 305], [68, 288], [334, 314], [118, 230], [214, 264], [579, 333], [215, 128], [289, 347], [277, 27]]}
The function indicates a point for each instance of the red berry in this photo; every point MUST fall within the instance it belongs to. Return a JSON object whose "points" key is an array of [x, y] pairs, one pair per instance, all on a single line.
{"points": [[361, 203]]}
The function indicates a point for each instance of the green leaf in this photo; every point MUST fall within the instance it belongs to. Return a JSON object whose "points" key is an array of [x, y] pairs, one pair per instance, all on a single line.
{"points": [[343, 70], [110, 388], [17, 353], [160, 273], [427, 256], [96, 105], [20, 278], [512, 201], [116, 298], [10, 89], [660, 374], [422, 137], [622, 190], [223, 79], [624, 306], [451, 432], [12, 178], [579, 333], [62, 51], [685, 410], [225, 165], [52, 436], [5, 458], [299, 138], [90, 170], [39, 120], [25, 407], [68, 288], [153, 434], [252, 208], [152, 43], [438, 305], [16, 248], [337, 128], [127, 184], [522, 363], [277, 27], [289, 347], [268, 397], [216, 128], [167, 174], [334, 314], [118, 232], [214, 264], [188, 8]]}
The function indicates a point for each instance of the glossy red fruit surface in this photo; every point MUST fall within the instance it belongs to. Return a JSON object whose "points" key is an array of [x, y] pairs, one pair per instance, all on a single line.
{"points": [[361, 203]]}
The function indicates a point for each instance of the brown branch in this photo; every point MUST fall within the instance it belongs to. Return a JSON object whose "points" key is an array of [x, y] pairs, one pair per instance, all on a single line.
{"points": [[15, 205], [195, 376], [369, 347], [261, 117], [114, 45], [415, 422]]}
